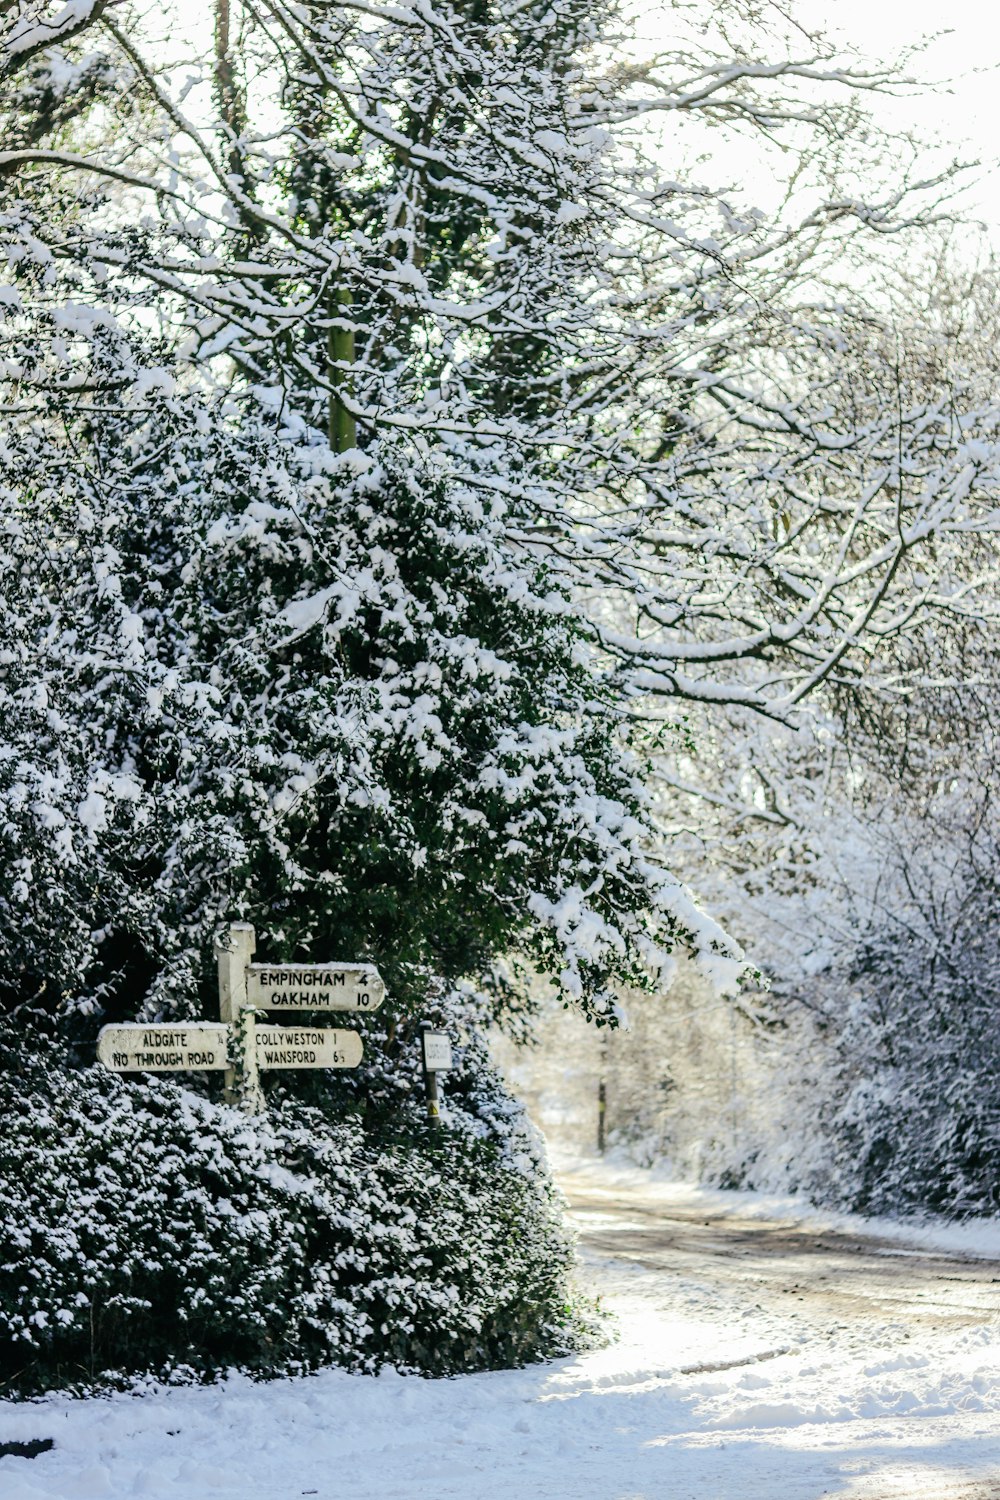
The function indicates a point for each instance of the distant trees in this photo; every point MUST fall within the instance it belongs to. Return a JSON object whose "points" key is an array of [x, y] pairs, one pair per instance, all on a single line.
{"points": [[854, 849], [899, 715]]}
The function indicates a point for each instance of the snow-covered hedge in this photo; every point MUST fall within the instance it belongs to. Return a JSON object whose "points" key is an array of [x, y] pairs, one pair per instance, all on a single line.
{"points": [[148, 1229], [913, 1115]]}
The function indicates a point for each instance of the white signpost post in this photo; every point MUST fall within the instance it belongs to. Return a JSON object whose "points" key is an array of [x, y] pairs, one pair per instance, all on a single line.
{"points": [[235, 1042]]}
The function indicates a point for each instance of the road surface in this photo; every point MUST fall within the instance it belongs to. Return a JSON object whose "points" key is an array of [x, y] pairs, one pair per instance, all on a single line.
{"points": [[878, 1357]]}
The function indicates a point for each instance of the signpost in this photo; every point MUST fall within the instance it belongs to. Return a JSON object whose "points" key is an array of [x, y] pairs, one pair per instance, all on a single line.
{"points": [[437, 1051], [235, 1042], [164, 1049], [307, 1047], [436, 1056]]}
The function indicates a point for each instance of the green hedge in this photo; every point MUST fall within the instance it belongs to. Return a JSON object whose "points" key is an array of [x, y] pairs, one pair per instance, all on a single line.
{"points": [[149, 1230]]}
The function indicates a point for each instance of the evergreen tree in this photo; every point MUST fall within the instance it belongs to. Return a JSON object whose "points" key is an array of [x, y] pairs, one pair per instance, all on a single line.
{"points": [[254, 679]]}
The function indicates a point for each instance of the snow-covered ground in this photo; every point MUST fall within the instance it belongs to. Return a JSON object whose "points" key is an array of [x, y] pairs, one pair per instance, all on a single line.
{"points": [[763, 1354]]}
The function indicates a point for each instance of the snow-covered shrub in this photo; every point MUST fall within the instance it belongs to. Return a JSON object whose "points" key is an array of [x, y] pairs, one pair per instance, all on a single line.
{"points": [[146, 1229], [913, 1114]]}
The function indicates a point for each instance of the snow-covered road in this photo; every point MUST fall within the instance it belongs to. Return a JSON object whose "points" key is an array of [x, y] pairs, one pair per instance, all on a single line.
{"points": [[763, 1355]]}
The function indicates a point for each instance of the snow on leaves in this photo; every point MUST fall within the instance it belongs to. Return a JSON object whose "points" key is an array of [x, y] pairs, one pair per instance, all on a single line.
{"points": [[249, 675], [447, 227], [148, 1231]]}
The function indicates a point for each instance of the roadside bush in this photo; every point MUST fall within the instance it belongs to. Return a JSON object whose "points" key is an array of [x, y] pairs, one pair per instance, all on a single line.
{"points": [[147, 1229], [913, 1117]]}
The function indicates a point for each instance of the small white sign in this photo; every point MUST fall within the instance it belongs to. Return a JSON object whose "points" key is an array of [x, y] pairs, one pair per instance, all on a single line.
{"points": [[135, 1048], [307, 1047], [314, 986], [437, 1051]]}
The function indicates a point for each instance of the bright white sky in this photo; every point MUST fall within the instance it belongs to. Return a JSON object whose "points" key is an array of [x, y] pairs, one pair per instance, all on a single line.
{"points": [[966, 111], [961, 107], [963, 112]]}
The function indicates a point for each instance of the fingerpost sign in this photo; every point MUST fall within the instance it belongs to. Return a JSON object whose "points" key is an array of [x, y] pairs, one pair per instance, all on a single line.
{"points": [[236, 1043]]}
